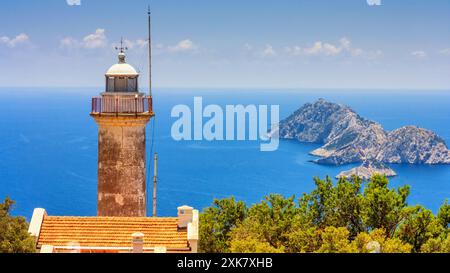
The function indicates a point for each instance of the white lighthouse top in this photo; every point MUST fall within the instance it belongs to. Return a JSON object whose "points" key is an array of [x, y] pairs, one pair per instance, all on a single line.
{"points": [[121, 68]]}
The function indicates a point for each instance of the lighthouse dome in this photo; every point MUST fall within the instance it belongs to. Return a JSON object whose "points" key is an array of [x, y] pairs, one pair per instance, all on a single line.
{"points": [[121, 68], [122, 77]]}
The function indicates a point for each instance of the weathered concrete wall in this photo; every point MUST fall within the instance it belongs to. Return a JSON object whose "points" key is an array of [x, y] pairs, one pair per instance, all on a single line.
{"points": [[121, 166]]}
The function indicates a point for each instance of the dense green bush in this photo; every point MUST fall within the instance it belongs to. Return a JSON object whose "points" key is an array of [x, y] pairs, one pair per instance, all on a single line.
{"points": [[349, 216], [14, 236]]}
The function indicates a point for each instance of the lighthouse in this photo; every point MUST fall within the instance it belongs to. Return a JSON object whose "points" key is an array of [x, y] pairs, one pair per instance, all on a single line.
{"points": [[122, 113]]}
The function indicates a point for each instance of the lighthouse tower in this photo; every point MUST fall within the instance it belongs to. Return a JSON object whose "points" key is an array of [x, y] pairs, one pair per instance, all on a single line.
{"points": [[121, 113]]}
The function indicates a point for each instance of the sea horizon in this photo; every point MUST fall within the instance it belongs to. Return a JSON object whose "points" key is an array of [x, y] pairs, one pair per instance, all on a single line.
{"points": [[144, 89]]}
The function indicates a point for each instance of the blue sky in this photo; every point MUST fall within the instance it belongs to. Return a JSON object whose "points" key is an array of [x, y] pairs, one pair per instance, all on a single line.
{"points": [[247, 44]]}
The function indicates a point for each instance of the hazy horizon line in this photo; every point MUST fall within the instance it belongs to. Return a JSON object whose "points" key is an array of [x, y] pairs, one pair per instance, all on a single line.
{"points": [[145, 89]]}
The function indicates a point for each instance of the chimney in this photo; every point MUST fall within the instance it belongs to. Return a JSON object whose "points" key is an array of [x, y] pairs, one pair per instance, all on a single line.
{"points": [[192, 230], [138, 242], [185, 214], [36, 223]]}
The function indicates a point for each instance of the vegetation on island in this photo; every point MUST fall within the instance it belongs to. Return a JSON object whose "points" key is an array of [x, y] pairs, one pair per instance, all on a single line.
{"points": [[346, 217], [14, 236]]}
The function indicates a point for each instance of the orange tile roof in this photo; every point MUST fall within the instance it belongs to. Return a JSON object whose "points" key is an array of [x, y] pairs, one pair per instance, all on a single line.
{"points": [[111, 232]]}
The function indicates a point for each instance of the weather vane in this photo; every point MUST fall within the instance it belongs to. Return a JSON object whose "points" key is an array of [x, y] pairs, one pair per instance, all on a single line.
{"points": [[121, 48]]}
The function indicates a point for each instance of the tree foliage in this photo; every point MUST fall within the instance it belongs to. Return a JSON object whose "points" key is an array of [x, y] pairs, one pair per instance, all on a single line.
{"points": [[14, 236], [437, 245], [346, 216], [383, 207], [217, 222], [338, 206], [419, 226]]}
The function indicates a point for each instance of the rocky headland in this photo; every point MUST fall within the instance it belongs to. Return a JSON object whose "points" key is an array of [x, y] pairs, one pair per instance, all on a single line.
{"points": [[348, 138]]}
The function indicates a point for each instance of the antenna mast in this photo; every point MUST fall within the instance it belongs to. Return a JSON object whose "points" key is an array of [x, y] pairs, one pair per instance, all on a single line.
{"points": [[150, 51], [154, 184]]}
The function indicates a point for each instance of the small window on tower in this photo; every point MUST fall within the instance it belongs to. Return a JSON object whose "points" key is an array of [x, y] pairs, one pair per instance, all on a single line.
{"points": [[110, 85], [120, 84], [132, 85]]}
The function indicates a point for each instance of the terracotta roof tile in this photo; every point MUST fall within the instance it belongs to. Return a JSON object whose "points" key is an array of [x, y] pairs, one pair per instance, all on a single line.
{"points": [[111, 232]]}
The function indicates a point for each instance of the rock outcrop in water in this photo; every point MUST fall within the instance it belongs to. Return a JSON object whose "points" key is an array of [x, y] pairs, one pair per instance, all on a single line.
{"points": [[367, 169], [414, 145], [349, 138]]}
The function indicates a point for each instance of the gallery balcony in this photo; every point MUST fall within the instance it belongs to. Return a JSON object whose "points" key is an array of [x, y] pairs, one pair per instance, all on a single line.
{"points": [[122, 106]]}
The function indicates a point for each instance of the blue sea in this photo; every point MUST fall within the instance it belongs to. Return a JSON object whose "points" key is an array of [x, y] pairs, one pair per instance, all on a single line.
{"points": [[48, 148]]}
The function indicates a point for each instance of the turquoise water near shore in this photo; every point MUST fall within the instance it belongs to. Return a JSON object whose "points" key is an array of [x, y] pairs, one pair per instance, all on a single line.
{"points": [[48, 148]]}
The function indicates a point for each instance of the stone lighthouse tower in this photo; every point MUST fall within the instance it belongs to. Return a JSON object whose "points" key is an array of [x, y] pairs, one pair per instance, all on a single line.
{"points": [[121, 113]]}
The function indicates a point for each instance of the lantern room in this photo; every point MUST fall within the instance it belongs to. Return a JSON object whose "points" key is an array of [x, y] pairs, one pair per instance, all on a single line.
{"points": [[122, 77]]}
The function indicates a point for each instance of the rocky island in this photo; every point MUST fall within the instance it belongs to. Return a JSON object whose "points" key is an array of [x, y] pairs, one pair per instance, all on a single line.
{"points": [[367, 169], [348, 138]]}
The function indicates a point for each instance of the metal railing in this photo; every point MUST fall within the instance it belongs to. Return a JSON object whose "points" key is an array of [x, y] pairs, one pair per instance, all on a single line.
{"points": [[121, 105]]}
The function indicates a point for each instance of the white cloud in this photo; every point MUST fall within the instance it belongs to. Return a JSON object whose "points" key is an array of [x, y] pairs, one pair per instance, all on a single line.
{"points": [[131, 44], [344, 46], [268, 51], [141, 43], [445, 51], [323, 48], [315, 49], [95, 40], [73, 2], [345, 43], [182, 46], [330, 49], [98, 39], [355, 52], [186, 45], [374, 2], [92, 41], [420, 54], [318, 48], [294, 50], [260, 52], [14, 41], [69, 42]]}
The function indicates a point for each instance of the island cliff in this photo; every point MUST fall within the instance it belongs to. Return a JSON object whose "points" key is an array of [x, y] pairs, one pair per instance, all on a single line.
{"points": [[349, 138]]}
